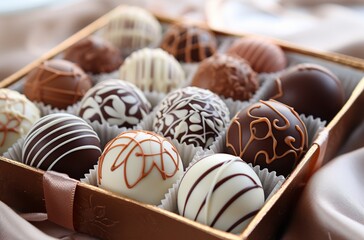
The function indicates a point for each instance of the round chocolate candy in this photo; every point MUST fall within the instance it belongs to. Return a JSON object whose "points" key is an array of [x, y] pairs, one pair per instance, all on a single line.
{"points": [[191, 115], [189, 43], [269, 134], [140, 165], [94, 55], [17, 115], [152, 70], [310, 89], [63, 143], [263, 55], [131, 28], [57, 82], [116, 102], [221, 191], [227, 76]]}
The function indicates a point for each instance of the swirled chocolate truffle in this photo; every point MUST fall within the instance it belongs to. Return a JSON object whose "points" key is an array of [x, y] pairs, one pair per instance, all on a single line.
{"points": [[153, 70], [263, 55], [94, 55], [63, 143], [17, 115], [191, 115], [116, 102], [140, 165], [227, 76], [269, 134], [310, 89], [131, 28], [189, 43], [221, 191], [59, 83]]}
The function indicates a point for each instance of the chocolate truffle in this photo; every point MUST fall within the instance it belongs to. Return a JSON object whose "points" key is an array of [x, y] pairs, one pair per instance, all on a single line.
{"points": [[63, 143], [227, 76], [189, 43], [57, 82], [140, 165], [94, 55], [309, 89], [116, 102], [191, 115], [131, 28], [221, 191], [152, 70], [269, 134], [263, 55], [17, 115]]}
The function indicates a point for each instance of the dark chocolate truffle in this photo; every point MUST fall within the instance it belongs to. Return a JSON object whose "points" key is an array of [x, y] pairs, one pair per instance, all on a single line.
{"points": [[116, 102], [310, 89], [94, 55], [57, 82], [62, 142], [269, 134], [228, 76], [191, 115], [263, 55], [189, 43]]}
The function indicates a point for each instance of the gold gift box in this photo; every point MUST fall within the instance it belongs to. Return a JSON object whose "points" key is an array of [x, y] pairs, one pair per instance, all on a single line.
{"points": [[102, 214]]}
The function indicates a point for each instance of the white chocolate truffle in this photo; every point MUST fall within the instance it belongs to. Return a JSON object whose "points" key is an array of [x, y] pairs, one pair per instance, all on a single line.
{"points": [[17, 115], [221, 191], [116, 102], [131, 28], [140, 165], [191, 115], [152, 70]]}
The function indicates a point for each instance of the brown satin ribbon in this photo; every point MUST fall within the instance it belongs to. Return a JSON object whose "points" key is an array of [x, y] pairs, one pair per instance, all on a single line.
{"points": [[59, 193]]}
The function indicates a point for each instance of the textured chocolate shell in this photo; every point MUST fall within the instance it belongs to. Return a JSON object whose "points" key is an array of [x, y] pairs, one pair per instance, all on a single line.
{"points": [[221, 191], [189, 43], [153, 70], [140, 165], [17, 115], [269, 134], [59, 83], [94, 55], [116, 102], [263, 55], [63, 143], [227, 76], [310, 89], [191, 115]]}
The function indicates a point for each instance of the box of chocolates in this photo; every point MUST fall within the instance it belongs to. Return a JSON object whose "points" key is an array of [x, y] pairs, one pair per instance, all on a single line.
{"points": [[161, 129]]}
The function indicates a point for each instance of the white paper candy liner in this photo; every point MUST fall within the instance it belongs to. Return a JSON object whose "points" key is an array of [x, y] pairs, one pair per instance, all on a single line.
{"points": [[15, 151], [147, 122], [90, 177], [270, 183], [47, 109], [97, 78]]}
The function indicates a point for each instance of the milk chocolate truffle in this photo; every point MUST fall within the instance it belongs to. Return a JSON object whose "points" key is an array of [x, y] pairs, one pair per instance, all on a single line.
{"points": [[140, 165], [131, 28], [189, 43], [227, 76], [152, 70], [94, 55], [263, 55], [191, 115], [116, 102], [57, 82], [17, 115], [310, 89], [221, 191], [63, 143], [269, 134]]}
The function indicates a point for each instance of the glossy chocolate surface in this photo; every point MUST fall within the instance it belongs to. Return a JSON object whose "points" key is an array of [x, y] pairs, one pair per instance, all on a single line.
{"points": [[227, 76], [269, 134]]}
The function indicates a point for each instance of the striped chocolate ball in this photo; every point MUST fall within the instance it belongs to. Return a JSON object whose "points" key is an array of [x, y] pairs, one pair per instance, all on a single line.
{"points": [[221, 191], [63, 143]]}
